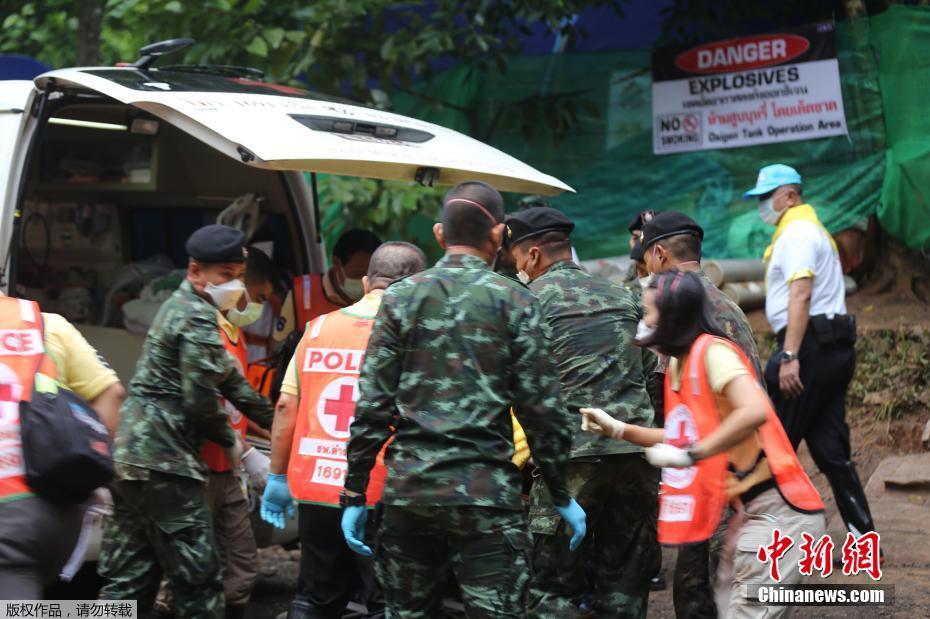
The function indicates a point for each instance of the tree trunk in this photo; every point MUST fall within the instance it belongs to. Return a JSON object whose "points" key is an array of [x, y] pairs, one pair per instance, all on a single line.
{"points": [[90, 19]]}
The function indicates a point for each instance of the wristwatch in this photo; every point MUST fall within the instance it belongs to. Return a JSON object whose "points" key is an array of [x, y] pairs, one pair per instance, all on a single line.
{"points": [[787, 356], [351, 500]]}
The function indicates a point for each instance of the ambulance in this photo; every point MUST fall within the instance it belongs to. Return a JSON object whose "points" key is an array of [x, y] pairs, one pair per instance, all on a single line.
{"points": [[105, 171]]}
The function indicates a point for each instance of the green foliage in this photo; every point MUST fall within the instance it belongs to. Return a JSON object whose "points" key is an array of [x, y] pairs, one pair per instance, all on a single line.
{"points": [[363, 49], [892, 373], [387, 208]]}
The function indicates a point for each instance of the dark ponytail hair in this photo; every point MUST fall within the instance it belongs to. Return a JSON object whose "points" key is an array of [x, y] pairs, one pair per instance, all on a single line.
{"points": [[684, 313]]}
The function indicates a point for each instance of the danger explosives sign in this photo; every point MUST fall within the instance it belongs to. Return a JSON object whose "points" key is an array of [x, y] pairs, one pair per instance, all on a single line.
{"points": [[747, 90]]}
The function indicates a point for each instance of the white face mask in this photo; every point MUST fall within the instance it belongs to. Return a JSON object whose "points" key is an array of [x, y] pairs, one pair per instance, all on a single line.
{"points": [[524, 278], [225, 296], [767, 212], [251, 313], [644, 331], [353, 288], [645, 281]]}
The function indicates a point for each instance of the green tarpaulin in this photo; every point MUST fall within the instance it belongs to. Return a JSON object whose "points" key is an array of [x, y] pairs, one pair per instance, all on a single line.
{"points": [[605, 151]]}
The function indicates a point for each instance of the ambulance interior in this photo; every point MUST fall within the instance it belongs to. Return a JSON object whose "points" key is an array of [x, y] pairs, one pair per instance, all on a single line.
{"points": [[111, 196]]}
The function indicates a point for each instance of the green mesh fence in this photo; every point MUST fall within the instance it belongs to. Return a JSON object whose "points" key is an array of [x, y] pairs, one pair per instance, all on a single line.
{"points": [[606, 151]]}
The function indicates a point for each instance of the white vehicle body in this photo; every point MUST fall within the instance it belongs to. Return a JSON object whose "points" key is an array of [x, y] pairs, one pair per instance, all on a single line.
{"points": [[149, 153]]}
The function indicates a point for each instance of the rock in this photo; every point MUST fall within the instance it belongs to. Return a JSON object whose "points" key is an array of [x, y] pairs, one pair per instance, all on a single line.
{"points": [[877, 398]]}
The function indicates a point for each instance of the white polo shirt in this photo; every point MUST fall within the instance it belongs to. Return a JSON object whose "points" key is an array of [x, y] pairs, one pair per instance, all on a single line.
{"points": [[804, 250]]}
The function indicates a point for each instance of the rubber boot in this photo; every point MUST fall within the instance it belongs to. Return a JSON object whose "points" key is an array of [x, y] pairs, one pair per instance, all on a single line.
{"points": [[850, 499], [302, 610]]}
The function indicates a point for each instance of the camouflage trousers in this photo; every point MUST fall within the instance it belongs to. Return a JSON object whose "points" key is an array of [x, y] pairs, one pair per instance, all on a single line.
{"points": [[485, 549], [619, 496], [162, 526]]}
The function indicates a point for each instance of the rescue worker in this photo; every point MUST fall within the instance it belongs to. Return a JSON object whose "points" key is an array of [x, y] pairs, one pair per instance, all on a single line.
{"points": [[37, 535], [161, 522], [672, 240], [809, 373], [257, 319], [226, 492], [316, 294], [722, 442], [452, 349], [590, 323], [310, 430]]}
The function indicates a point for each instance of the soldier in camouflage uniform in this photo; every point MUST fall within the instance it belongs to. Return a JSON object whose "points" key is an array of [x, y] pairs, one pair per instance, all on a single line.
{"points": [[453, 348], [591, 324], [161, 522], [673, 240]]}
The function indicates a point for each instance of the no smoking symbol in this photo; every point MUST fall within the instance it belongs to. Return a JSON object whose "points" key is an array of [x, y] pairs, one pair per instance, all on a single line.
{"points": [[690, 123]]}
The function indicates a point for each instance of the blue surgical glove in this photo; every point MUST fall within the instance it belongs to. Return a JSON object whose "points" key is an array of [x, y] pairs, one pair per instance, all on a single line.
{"points": [[276, 501], [353, 528], [575, 517]]}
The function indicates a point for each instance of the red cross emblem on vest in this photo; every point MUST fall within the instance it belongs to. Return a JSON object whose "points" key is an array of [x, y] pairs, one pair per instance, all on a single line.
{"points": [[335, 407], [343, 408]]}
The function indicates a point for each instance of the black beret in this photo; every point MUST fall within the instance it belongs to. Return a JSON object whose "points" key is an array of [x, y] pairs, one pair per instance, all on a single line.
{"points": [[640, 220], [217, 243], [535, 221], [669, 223]]}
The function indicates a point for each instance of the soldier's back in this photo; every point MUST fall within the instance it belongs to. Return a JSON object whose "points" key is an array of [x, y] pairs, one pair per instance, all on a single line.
{"points": [[454, 437]]}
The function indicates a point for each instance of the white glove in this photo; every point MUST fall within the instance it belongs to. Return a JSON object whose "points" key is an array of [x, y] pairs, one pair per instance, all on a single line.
{"points": [[663, 455], [598, 421], [256, 465]]}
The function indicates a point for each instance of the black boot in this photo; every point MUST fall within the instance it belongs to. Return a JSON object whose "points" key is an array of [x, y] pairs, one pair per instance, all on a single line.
{"points": [[302, 610], [850, 498]]}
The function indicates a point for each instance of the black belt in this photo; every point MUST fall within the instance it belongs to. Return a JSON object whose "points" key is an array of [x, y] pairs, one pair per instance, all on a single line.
{"points": [[841, 329]]}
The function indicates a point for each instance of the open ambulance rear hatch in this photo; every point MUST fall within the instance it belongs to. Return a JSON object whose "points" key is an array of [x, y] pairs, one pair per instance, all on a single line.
{"points": [[284, 128]]}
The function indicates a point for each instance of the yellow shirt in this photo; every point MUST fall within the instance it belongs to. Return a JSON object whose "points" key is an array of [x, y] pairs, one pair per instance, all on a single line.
{"points": [[232, 331], [722, 365], [79, 366]]}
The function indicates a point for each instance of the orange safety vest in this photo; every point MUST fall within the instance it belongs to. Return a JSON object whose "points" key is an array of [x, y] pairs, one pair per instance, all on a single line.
{"points": [[309, 299], [213, 454], [329, 357], [22, 356], [693, 498]]}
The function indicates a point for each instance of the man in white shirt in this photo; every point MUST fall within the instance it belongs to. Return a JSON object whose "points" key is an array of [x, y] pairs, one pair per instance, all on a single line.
{"points": [[813, 363]]}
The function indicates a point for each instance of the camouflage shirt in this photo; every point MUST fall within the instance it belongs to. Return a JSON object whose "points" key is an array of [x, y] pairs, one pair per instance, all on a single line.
{"points": [[591, 324], [173, 398], [733, 322], [452, 349]]}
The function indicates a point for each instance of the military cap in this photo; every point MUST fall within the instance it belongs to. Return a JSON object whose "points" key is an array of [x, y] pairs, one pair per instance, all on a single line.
{"points": [[669, 223], [535, 221], [217, 243], [640, 220]]}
